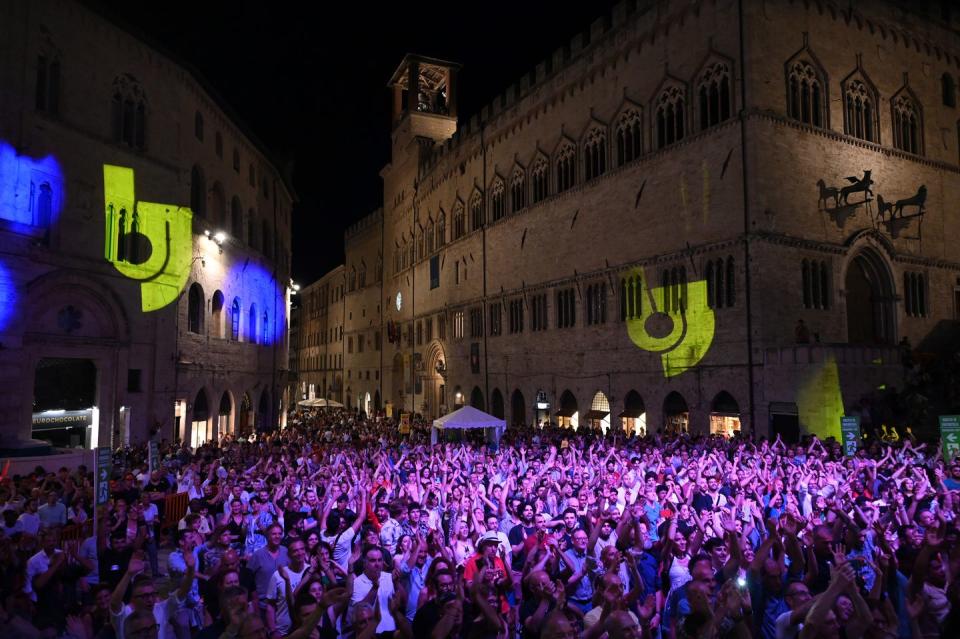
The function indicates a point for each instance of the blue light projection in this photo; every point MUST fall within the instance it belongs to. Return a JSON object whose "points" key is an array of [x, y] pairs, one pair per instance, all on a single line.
{"points": [[8, 297], [31, 190], [259, 289]]}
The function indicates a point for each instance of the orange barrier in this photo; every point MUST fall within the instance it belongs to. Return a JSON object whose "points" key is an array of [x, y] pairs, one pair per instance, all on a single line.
{"points": [[174, 509]]}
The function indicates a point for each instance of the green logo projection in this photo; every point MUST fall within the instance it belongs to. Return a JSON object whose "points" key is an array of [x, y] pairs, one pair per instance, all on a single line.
{"points": [[147, 242], [681, 332]]}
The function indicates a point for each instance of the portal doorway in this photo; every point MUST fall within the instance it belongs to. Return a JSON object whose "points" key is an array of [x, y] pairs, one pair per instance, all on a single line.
{"points": [[64, 400], [870, 300]]}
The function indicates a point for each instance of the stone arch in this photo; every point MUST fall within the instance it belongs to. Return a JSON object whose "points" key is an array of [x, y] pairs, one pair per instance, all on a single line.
{"points": [[496, 403], [48, 294], [634, 415], [225, 414], [870, 296], [518, 408], [476, 398], [568, 415], [676, 413], [264, 411], [724, 415], [200, 418], [598, 417]]}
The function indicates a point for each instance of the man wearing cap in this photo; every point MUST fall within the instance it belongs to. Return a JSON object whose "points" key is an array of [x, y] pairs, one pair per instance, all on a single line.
{"points": [[495, 571]]}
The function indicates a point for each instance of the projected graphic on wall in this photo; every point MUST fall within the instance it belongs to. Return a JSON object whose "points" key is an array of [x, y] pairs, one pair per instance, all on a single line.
{"points": [[147, 242], [820, 401], [678, 327], [31, 190]]}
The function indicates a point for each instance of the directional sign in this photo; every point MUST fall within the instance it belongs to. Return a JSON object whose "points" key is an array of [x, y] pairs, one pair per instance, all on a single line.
{"points": [[154, 456], [104, 468], [950, 436], [850, 434]]}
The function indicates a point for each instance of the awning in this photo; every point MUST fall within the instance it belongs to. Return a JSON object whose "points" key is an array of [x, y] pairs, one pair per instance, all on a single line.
{"points": [[595, 414], [566, 412], [632, 413]]}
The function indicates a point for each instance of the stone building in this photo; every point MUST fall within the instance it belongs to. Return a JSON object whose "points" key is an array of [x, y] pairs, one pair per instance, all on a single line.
{"points": [[144, 241], [701, 215], [319, 347]]}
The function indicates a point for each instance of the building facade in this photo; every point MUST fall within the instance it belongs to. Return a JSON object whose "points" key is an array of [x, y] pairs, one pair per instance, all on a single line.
{"points": [[144, 239], [319, 351], [709, 216]]}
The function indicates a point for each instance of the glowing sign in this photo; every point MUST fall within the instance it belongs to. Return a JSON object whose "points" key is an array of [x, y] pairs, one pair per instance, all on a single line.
{"points": [[682, 338], [819, 401], [147, 242], [31, 191]]}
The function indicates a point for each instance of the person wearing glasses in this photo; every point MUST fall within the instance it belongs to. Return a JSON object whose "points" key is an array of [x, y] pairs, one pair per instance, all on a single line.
{"points": [[144, 600]]}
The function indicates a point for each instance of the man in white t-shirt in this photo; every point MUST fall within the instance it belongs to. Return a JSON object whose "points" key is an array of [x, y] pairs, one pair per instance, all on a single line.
{"points": [[375, 588], [341, 541], [283, 582]]}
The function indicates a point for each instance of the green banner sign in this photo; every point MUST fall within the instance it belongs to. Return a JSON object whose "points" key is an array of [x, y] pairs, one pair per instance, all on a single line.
{"points": [[104, 469], [950, 436], [850, 434]]}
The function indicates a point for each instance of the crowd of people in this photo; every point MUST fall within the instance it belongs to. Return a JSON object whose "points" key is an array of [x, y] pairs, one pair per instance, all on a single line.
{"points": [[342, 527]]}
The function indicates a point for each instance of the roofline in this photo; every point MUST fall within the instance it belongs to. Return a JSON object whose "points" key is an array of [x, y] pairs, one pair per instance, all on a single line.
{"points": [[414, 57]]}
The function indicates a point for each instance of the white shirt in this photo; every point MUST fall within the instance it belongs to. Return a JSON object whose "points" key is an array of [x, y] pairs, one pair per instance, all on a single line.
{"points": [[277, 593], [162, 612], [29, 523], [362, 586], [344, 543], [37, 565]]}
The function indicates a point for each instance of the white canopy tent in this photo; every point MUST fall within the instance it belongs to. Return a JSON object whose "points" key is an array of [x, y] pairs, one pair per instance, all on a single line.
{"points": [[468, 418], [319, 402]]}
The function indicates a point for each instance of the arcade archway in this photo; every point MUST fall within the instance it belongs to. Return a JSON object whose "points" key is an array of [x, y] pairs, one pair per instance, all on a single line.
{"points": [[568, 416], [676, 413], [518, 408], [634, 415], [724, 415]]}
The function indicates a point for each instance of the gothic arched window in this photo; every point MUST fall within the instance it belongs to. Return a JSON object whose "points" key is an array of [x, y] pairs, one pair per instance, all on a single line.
{"points": [[629, 136], [566, 161], [594, 153], [670, 110], [713, 94], [805, 95]]}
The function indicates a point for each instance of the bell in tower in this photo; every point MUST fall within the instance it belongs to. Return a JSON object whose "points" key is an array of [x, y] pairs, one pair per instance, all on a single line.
{"points": [[424, 99]]}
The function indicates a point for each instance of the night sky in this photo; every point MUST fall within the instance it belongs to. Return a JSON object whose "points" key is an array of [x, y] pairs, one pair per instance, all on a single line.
{"points": [[309, 79]]}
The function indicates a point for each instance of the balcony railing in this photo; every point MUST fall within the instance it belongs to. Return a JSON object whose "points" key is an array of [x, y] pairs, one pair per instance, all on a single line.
{"points": [[849, 354]]}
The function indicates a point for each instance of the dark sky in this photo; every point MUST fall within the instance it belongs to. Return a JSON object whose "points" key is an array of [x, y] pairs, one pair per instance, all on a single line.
{"points": [[310, 80]]}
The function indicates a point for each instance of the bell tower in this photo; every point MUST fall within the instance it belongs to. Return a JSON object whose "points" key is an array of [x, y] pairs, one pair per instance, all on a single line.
{"points": [[424, 101]]}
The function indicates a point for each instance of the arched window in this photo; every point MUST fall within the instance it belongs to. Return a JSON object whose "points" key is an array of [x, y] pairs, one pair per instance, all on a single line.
{"points": [[949, 89], [805, 97], [671, 110], [48, 83], [518, 190], [566, 166], [629, 136], [720, 284], [731, 281], [596, 304], [713, 94], [476, 210], [631, 297], [441, 229], [198, 126], [907, 123], [195, 308], [128, 112], [539, 178], [236, 218], [219, 202], [428, 237], [218, 144], [497, 199], [252, 324], [267, 239], [265, 330], [216, 314], [44, 208], [595, 153], [816, 284], [236, 160], [459, 220], [252, 175], [252, 237], [860, 109], [198, 192], [235, 320]]}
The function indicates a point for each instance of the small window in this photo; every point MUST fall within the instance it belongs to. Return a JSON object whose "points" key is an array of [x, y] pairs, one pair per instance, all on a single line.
{"points": [[949, 89], [566, 167], [566, 308], [236, 160], [816, 276], [497, 200], [195, 308], [671, 115], [516, 316], [539, 179], [218, 145], [596, 304], [915, 294], [198, 126], [133, 380], [518, 189], [476, 211], [907, 124], [496, 324], [459, 220], [434, 272], [538, 322], [629, 136], [48, 85], [713, 93], [252, 176]]}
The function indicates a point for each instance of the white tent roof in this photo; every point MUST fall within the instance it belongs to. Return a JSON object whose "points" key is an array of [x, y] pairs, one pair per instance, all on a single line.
{"points": [[319, 402], [468, 417]]}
